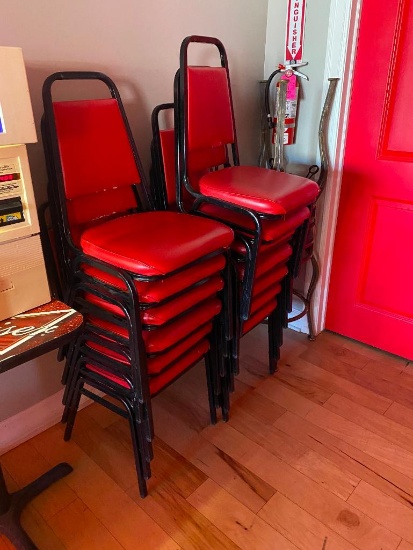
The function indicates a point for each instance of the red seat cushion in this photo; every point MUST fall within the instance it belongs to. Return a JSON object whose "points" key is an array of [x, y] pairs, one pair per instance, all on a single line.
{"points": [[155, 243], [164, 338], [157, 291], [259, 189], [158, 382], [268, 260], [158, 363], [191, 358], [268, 281], [259, 316], [271, 230], [161, 314]]}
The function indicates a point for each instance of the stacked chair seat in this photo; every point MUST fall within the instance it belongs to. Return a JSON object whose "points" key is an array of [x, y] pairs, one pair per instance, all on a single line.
{"points": [[268, 210], [150, 284]]}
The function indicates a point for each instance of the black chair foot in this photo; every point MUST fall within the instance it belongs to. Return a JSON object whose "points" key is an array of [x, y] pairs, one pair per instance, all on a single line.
{"points": [[12, 504], [273, 366]]}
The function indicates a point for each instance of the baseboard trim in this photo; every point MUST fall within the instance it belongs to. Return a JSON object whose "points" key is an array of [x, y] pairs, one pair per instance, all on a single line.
{"points": [[36, 419]]}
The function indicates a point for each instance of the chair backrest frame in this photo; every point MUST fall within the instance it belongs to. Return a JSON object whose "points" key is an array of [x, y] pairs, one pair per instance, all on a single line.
{"points": [[181, 101], [54, 164]]}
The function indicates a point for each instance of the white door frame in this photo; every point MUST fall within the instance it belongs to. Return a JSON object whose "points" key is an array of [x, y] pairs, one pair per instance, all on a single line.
{"points": [[341, 47]]}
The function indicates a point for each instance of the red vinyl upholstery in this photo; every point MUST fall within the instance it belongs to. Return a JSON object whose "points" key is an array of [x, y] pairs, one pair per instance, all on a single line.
{"points": [[159, 290], [156, 316], [272, 230], [157, 237], [94, 189], [164, 338], [210, 125], [262, 190], [94, 147], [156, 384], [210, 121]]}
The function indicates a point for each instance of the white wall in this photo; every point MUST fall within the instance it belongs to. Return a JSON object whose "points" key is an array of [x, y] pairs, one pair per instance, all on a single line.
{"points": [[305, 150], [136, 43]]}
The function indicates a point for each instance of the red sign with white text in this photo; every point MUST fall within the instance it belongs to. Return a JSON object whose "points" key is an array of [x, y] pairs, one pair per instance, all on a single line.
{"points": [[295, 30]]}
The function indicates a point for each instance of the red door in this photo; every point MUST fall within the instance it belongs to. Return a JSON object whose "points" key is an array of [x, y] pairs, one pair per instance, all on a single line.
{"points": [[371, 291]]}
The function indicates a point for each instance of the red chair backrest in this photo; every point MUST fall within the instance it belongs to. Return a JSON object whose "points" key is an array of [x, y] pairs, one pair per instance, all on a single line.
{"points": [[167, 143], [209, 116], [98, 165]]}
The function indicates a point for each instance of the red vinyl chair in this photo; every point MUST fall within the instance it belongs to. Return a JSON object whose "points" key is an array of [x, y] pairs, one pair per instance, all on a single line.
{"points": [[151, 285], [266, 209], [270, 292]]}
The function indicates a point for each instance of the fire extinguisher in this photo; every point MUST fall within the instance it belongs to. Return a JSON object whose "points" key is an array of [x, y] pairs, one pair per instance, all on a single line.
{"points": [[290, 108], [290, 74]]}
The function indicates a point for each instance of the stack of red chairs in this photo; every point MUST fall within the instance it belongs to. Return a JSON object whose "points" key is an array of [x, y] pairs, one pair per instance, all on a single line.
{"points": [[151, 285], [268, 210]]}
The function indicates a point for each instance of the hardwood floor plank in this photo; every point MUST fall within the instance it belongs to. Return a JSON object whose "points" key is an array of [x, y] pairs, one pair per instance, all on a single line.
{"points": [[264, 410], [401, 414], [106, 449], [358, 347], [242, 526], [101, 415], [281, 445], [288, 449], [182, 521], [341, 348], [374, 445], [384, 509], [39, 530], [219, 466], [397, 375], [303, 384], [385, 427], [107, 501], [77, 528], [276, 391], [300, 527], [255, 344], [404, 545], [381, 387], [342, 518], [349, 458], [330, 383]]}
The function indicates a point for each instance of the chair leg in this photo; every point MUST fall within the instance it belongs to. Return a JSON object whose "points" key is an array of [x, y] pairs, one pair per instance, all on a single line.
{"points": [[70, 370], [71, 385], [227, 385], [67, 395], [211, 385], [274, 339], [72, 407], [248, 279], [142, 472], [236, 324]]}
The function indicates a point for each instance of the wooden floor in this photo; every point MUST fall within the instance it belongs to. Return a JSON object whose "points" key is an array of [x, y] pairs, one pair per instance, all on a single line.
{"points": [[318, 456]]}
